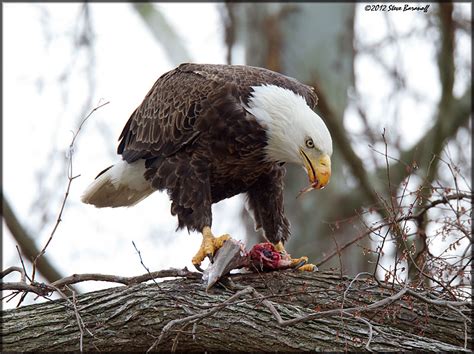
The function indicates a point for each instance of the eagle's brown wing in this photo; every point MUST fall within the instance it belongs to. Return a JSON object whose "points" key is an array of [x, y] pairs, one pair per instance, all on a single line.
{"points": [[165, 120], [244, 77]]}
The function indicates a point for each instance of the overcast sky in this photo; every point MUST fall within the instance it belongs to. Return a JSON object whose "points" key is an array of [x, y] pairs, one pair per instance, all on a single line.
{"points": [[128, 61]]}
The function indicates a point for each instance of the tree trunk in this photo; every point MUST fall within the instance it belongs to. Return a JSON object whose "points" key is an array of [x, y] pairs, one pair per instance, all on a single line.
{"points": [[131, 318]]}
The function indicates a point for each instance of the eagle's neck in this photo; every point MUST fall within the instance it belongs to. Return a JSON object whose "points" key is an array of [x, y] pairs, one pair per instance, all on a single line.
{"points": [[288, 120]]}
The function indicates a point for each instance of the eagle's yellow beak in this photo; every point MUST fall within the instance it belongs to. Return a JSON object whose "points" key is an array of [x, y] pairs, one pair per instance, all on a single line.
{"points": [[318, 168]]}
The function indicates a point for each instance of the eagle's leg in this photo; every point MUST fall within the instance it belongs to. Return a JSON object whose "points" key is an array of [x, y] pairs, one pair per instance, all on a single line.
{"points": [[209, 246], [298, 263]]}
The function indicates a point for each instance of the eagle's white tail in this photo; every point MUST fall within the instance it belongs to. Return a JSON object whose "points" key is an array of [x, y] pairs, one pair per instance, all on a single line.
{"points": [[119, 185]]}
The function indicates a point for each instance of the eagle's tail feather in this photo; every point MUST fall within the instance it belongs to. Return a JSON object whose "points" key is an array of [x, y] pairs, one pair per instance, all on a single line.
{"points": [[119, 185]]}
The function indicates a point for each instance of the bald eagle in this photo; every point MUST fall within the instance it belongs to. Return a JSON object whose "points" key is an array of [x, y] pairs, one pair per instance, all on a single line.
{"points": [[206, 132]]}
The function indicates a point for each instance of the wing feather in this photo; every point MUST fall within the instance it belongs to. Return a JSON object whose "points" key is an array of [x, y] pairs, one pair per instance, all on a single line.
{"points": [[166, 120]]}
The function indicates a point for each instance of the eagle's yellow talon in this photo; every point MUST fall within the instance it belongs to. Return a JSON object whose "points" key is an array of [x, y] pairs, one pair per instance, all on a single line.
{"points": [[308, 268], [298, 263], [219, 241], [209, 246]]}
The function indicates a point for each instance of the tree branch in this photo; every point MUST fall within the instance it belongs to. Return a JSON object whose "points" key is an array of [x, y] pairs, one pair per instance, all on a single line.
{"points": [[163, 31], [26, 243], [43, 289], [446, 126], [343, 143], [411, 216], [284, 311]]}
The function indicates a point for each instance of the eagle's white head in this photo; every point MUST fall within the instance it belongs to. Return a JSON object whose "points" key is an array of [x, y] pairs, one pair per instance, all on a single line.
{"points": [[296, 134]]}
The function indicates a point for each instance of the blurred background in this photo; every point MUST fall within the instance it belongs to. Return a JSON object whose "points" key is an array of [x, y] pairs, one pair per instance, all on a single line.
{"points": [[394, 89]]}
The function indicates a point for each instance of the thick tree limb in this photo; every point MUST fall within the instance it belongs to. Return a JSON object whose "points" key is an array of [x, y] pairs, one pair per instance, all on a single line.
{"points": [[279, 311]]}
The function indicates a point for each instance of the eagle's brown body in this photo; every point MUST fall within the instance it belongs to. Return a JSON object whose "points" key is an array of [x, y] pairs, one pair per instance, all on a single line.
{"points": [[201, 145]]}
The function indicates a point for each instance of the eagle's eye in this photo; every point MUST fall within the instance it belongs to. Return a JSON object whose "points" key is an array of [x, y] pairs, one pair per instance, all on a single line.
{"points": [[309, 143]]}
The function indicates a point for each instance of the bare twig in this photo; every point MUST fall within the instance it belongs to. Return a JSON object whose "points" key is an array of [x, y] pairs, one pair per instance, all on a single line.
{"points": [[22, 297], [78, 319], [43, 289], [9, 270], [26, 243], [70, 179], [423, 210], [255, 295], [363, 320], [22, 264], [141, 261], [196, 317]]}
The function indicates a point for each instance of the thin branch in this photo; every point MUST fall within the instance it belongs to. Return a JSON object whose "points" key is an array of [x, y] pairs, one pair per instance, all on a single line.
{"points": [[26, 242], [199, 316], [256, 295], [43, 289], [71, 145], [22, 265], [70, 179], [80, 323], [371, 331], [9, 270], [423, 210], [141, 261]]}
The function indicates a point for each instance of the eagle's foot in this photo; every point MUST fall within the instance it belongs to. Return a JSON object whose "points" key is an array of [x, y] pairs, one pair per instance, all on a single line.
{"points": [[308, 268], [300, 264], [209, 246]]}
